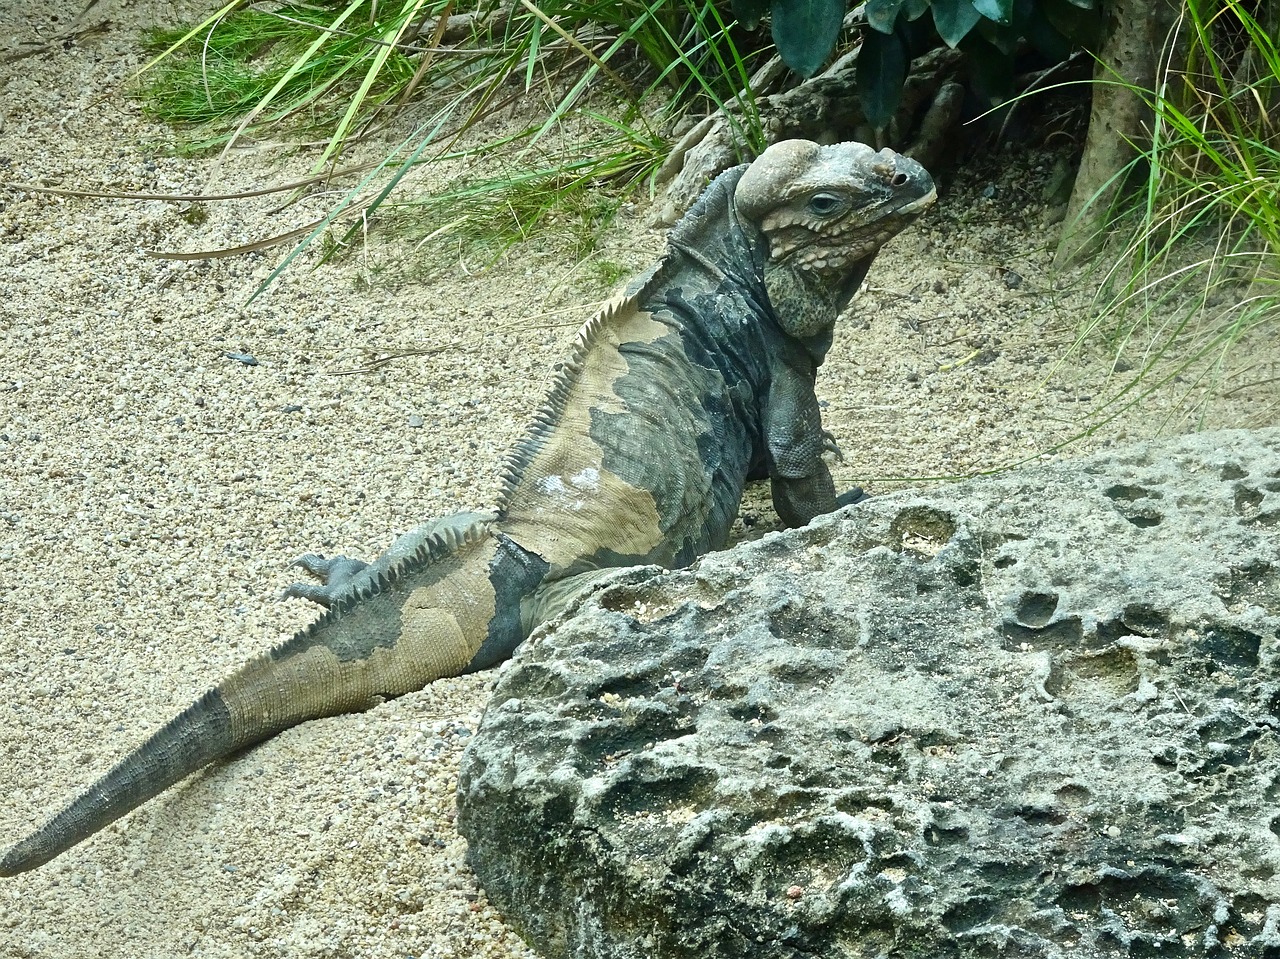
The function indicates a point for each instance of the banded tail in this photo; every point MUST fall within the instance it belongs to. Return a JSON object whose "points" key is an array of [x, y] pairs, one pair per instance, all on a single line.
{"points": [[445, 608]]}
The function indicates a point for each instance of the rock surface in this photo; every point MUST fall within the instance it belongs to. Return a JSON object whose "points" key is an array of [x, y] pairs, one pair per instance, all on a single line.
{"points": [[1027, 716]]}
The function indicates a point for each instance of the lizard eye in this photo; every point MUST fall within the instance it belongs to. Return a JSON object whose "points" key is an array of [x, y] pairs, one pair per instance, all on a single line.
{"points": [[825, 204]]}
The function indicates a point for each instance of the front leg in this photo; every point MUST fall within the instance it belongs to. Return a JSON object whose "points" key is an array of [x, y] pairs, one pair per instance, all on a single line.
{"points": [[801, 481]]}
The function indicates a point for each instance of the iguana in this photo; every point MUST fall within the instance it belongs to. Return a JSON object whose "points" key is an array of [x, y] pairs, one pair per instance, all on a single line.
{"points": [[698, 377]]}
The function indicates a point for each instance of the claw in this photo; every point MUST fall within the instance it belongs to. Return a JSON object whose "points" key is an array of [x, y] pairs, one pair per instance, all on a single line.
{"points": [[829, 445], [335, 575], [313, 563], [311, 591], [849, 497]]}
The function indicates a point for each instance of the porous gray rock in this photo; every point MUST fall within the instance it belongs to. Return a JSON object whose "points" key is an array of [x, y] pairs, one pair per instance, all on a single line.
{"points": [[1034, 715]]}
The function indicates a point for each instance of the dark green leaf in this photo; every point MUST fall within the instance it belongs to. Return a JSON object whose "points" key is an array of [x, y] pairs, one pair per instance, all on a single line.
{"points": [[1084, 4], [805, 31], [1003, 38], [990, 71], [998, 10], [882, 14], [954, 19], [749, 12], [916, 8], [882, 68], [1046, 38], [1083, 28]]}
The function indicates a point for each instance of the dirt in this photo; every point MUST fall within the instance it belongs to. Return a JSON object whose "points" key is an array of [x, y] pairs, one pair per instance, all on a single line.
{"points": [[167, 448]]}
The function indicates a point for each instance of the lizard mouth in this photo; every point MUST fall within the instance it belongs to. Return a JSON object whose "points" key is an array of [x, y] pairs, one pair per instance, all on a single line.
{"points": [[921, 204]]}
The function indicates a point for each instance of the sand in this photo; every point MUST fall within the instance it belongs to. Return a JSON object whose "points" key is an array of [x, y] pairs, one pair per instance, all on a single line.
{"points": [[154, 487]]}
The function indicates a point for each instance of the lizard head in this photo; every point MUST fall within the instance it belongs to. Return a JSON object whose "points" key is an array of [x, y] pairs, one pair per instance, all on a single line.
{"points": [[824, 212]]}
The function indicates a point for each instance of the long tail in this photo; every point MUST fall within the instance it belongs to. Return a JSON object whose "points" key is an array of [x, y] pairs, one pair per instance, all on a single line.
{"points": [[445, 609]]}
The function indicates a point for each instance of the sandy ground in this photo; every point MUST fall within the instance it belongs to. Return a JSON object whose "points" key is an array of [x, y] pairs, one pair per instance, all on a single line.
{"points": [[153, 491]]}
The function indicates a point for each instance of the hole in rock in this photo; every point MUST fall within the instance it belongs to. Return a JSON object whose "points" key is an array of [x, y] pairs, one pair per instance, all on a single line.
{"points": [[1131, 494], [1036, 609], [1144, 519], [1232, 646], [1097, 677], [656, 786], [748, 711], [921, 529], [808, 622], [1247, 500], [938, 835], [1143, 619], [965, 575], [1073, 795], [974, 911], [1064, 634]]}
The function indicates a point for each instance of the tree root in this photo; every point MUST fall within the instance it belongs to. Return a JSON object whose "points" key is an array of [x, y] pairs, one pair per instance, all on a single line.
{"points": [[826, 109]]}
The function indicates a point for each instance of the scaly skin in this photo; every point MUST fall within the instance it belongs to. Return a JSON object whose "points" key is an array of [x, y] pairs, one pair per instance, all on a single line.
{"points": [[697, 378]]}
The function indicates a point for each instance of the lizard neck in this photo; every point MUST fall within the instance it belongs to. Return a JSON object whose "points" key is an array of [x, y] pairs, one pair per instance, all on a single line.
{"points": [[805, 302]]}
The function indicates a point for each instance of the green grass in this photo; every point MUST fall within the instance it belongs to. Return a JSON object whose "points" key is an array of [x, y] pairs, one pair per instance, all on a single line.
{"points": [[609, 274], [337, 68], [300, 66], [1198, 274], [565, 200]]}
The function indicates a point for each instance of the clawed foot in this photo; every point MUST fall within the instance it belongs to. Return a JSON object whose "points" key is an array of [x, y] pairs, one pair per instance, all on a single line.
{"points": [[335, 576], [849, 497], [829, 445]]}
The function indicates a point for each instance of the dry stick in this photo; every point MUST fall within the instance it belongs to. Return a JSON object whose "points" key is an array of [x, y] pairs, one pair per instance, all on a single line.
{"points": [[405, 47], [626, 87], [427, 58], [1251, 385], [185, 197], [368, 127], [71, 35], [291, 186], [956, 364], [1033, 81], [458, 26], [253, 247], [379, 361], [577, 309]]}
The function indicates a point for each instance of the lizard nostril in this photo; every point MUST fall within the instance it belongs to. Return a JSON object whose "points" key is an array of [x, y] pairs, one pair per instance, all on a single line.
{"points": [[900, 179]]}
